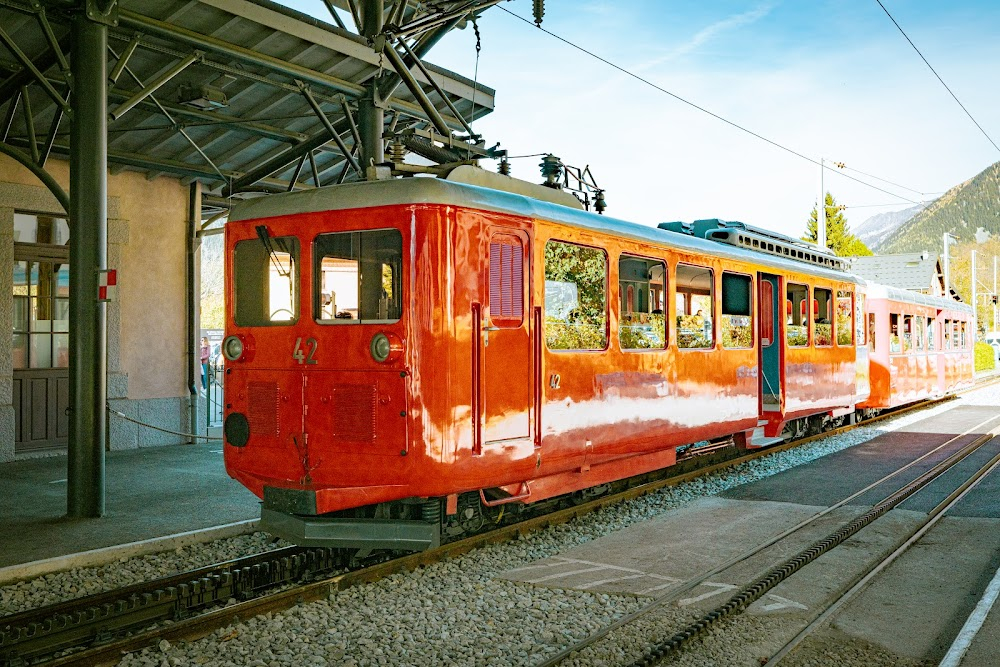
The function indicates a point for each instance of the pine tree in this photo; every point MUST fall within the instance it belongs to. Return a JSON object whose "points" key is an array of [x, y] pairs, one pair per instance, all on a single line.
{"points": [[838, 239]]}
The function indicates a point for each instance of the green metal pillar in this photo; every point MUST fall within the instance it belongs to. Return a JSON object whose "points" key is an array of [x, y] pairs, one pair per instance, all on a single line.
{"points": [[371, 118], [88, 254]]}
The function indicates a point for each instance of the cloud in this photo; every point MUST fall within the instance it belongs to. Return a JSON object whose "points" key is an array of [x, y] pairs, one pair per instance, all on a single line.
{"points": [[710, 32]]}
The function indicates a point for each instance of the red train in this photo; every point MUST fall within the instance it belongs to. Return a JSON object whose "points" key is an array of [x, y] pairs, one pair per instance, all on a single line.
{"points": [[408, 358]]}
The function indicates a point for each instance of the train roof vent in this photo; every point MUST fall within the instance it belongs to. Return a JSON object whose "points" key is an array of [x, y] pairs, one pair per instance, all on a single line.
{"points": [[756, 239]]}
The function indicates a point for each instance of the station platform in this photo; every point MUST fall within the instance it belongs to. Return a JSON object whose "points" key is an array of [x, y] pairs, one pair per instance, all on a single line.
{"points": [[911, 613], [150, 493]]}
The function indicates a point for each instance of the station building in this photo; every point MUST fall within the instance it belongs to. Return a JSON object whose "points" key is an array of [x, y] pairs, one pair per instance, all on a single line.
{"points": [[147, 352]]}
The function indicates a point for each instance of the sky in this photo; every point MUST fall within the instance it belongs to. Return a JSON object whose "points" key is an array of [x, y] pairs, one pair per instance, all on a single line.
{"points": [[825, 79]]}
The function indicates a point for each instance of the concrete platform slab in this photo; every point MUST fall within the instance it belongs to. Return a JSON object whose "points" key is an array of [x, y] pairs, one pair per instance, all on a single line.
{"points": [[150, 493]]}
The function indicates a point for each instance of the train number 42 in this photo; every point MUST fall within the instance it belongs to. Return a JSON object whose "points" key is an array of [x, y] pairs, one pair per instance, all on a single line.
{"points": [[305, 354]]}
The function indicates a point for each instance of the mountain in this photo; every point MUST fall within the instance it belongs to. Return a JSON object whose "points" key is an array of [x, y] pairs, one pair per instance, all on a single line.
{"points": [[960, 211], [875, 229]]}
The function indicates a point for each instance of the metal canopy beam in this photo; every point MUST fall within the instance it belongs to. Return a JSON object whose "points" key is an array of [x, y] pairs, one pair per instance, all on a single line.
{"points": [[88, 363]]}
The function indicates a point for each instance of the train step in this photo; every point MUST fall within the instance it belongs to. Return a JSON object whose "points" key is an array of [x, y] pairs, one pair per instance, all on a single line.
{"points": [[761, 440]]}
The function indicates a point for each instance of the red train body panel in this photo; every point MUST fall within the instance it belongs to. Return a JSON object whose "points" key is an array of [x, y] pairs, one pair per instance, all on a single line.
{"points": [[504, 371]]}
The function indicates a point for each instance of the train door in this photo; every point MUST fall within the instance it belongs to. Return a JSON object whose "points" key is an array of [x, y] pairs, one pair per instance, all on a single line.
{"points": [[507, 364], [770, 342]]}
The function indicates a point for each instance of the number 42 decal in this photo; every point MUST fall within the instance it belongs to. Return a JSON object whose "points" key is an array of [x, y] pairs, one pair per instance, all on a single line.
{"points": [[305, 354]]}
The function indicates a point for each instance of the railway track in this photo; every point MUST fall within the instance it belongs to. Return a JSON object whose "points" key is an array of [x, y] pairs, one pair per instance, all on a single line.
{"points": [[99, 629], [673, 645]]}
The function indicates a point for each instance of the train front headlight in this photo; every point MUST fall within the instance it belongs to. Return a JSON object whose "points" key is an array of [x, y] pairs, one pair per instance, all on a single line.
{"points": [[385, 347], [232, 348]]}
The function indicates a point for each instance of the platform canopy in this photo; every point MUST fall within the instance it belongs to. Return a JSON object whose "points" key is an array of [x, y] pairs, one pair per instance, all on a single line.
{"points": [[244, 95]]}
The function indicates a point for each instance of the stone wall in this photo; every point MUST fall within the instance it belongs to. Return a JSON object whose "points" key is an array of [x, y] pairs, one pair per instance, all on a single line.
{"points": [[147, 353]]}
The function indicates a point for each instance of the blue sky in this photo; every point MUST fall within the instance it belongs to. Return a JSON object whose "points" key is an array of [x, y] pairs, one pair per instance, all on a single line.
{"points": [[824, 78]]}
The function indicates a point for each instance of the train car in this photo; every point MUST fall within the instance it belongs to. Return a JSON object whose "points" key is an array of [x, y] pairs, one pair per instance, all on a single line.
{"points": [[408, 358], [920, 347]]}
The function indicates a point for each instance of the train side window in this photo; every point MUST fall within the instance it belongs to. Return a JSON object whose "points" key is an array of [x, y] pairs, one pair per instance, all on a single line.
{"points": [[947, 335], [918, 334], [822, 300], [695, 307], [797, 323], [930, 334], [737, 311], [859, 320], [642, 295], [895, 331], [907, 333], [845, 318], [871, 332], [266, 279], [576, 286], [357, 277]]}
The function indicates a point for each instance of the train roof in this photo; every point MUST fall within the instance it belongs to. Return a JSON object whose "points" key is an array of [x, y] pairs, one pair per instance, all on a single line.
{"points": [[441, 191], [877, 291]]}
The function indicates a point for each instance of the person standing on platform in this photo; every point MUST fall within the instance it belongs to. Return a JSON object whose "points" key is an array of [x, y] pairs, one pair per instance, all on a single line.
{"points": [[206, 350]]}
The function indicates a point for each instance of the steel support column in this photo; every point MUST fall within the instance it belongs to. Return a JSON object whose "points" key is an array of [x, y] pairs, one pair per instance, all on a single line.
{"points": [[371, 117], [88, 255]]}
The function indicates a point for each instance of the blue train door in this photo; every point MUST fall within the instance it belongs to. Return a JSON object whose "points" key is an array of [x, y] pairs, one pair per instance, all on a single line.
{"points": [[770, 342]]}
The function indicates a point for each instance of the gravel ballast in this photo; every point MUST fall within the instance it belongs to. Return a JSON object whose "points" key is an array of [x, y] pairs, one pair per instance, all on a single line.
{"points": [[455, 612]]}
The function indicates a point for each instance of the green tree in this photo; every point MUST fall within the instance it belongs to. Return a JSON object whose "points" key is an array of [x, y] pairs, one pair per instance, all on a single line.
{"points": [[838, 239]]}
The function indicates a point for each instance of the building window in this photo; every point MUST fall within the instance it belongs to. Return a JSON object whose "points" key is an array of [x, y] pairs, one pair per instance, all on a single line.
{"points": [[695, 307], [41, 314], [266, 281], [642, 291], [845, 318], [797, 320], [737, 311], [40, 292], [576, 280], [822, 300], [358, 277]]}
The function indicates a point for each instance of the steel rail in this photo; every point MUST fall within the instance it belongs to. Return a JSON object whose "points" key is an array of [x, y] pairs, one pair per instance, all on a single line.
{"points": [[31, 635], [863, 581], [759, 587], [675, 593], [207, 622]]}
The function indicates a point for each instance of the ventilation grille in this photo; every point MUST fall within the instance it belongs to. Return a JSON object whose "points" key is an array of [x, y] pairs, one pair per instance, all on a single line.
{"points": [[262, 408], [506, 280], [354, 412]]}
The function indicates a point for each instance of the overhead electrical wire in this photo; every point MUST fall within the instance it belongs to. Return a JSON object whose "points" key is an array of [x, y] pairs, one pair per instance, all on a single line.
{"points": [[706, 111], [955, 97]]}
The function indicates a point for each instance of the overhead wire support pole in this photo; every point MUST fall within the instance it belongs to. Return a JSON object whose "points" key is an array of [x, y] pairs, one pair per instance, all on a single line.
{"points": [[88, 362], [333, 12], [371, 112], [329, 127], [437, 88], [414, 87]]}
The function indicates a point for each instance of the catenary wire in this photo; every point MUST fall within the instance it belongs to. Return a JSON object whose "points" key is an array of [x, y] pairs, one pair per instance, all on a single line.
{"points": [[955, 97], [703, 109]]}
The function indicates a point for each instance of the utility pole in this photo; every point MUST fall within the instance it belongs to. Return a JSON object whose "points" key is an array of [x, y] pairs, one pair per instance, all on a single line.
{"points": [[821, 205], [821, 210], [946, 239], [975, 302]]}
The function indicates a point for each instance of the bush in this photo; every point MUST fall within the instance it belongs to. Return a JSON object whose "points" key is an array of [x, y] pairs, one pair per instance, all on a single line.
{"points": [[985, 357]]}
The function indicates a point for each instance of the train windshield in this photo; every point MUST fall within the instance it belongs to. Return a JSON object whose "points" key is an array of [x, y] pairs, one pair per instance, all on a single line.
{"points": [[266, 277], [358, 277]]}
